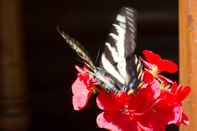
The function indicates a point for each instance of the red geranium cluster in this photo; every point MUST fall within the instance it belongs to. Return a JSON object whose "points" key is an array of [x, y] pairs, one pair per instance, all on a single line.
{"points": [[155, 104]]}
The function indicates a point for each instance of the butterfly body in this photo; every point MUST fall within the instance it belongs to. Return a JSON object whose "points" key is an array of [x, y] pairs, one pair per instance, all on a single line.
{"points": [[120, 69]]}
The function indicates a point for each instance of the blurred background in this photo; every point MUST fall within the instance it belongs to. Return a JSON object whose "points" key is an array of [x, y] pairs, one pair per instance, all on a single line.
{"points": [[37, 68]]}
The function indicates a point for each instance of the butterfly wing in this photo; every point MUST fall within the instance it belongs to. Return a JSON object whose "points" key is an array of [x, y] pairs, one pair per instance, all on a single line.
{"points": [[78, 48], [118, 58]]}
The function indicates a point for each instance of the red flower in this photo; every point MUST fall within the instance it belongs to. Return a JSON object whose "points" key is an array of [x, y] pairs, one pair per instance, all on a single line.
{"points": [[117, 116], [124, 112], [157, 64], [148, 109], [82, 88], [167, 109]]}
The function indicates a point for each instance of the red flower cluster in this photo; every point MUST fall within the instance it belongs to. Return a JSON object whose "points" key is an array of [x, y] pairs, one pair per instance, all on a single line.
{"points": [[151, 107]]}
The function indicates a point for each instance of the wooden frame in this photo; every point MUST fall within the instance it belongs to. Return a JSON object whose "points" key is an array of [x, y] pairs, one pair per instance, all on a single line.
{"points": [[14, 115], [188, 56]]}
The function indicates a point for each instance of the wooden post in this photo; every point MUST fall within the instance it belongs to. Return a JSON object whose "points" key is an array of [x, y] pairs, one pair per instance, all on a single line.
{"points": [[13, 108], [188, 56]]}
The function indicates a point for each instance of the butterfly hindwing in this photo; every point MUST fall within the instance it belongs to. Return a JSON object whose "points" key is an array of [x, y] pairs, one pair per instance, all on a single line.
{"points": [[118, 58]]}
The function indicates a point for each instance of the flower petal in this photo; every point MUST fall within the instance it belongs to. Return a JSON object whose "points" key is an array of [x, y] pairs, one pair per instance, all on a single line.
{"points": [[147, 77], [180, 92], [151, 57], [145, 97], [183, 93], [155, 86], [185, 119], [103, 123], [163, 65], [106, 101], [116, 122], [81, 94], [168, 66], [176, 116], [141, 127]]}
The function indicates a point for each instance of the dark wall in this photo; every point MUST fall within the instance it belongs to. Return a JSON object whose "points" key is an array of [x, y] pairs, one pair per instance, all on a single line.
{"points": [[50, 64]]}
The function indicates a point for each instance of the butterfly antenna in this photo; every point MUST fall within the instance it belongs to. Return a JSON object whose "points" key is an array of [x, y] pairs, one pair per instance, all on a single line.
{"points": [[97, 57]]}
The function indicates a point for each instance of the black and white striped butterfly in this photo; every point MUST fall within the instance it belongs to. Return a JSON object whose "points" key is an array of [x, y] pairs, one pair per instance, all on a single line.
{"points": [[120, 69]]}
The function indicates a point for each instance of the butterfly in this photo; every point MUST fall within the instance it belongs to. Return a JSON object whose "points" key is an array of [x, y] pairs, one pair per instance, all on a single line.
{"points": [[120, 69]]}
